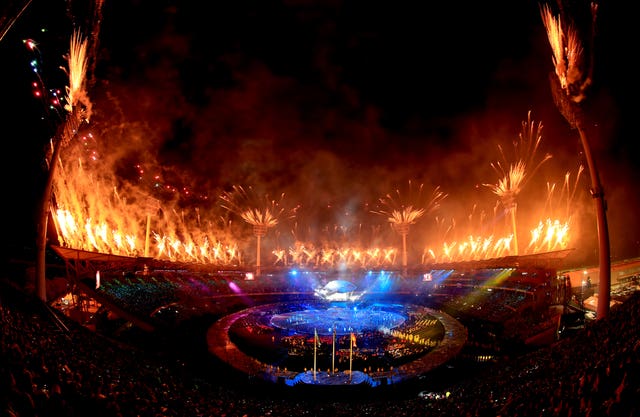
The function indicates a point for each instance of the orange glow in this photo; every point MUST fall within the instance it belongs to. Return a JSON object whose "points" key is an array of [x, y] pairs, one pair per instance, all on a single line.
{"points": [[95, 212]]}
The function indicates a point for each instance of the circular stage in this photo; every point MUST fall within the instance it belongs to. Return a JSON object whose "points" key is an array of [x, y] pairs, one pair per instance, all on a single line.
{"points": [[336, 343]]}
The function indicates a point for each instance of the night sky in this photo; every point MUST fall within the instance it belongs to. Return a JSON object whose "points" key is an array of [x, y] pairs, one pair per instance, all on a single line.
{"points": [[331, 102]]}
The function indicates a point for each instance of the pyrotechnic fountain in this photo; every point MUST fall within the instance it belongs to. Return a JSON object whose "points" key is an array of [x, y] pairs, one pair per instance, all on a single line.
{"points": [[402, 211], [520, 169], [94, 213], [98, 209], [262, 214]]}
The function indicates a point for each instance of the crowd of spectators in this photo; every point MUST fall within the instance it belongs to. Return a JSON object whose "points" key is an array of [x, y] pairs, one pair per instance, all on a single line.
{"points": [[53, 366], [143, 294]]}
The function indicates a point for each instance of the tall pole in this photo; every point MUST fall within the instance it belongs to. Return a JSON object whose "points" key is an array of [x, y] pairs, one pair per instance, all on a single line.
{"points": [[604, 252], [351, 343], [405, 261], [152, 206], [258, 255], [403, 229], [333, 351], [147, 235], [259, 230], [315, 352], [569, 84], [575, 117], [78, 107], [66, 133], [43, 225], [512, 212]]}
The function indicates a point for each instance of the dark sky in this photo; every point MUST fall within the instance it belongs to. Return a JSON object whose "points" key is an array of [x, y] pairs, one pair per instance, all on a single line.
{"points": [[319, 99]]}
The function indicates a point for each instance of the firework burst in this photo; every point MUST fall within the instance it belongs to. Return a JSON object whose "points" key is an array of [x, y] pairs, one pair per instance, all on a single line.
{"points": [[567, 55], [261, 212], [403, 210], [514, 172], [406, 209], [258, 211], [78, 62]]}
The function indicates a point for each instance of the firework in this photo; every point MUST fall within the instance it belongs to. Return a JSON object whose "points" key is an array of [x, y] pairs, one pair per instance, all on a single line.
{"points": [[78, 62], [262, 213], [515, 172], [404, 210], [567, 55], [99, 212], [566, 197]]}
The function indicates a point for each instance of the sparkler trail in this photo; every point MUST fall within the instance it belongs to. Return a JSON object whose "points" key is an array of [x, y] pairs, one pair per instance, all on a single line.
{"points": [[567, 195], [8, 19]]}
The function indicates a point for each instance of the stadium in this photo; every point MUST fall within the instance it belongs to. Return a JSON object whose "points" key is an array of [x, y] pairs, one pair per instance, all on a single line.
{"points": [[147, 296], [164, 339], [288, 326]]}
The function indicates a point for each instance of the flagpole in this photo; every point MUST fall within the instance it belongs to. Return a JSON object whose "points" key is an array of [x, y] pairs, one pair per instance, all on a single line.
{"points": [[315, 352], [333, 354], [351, 356]]}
